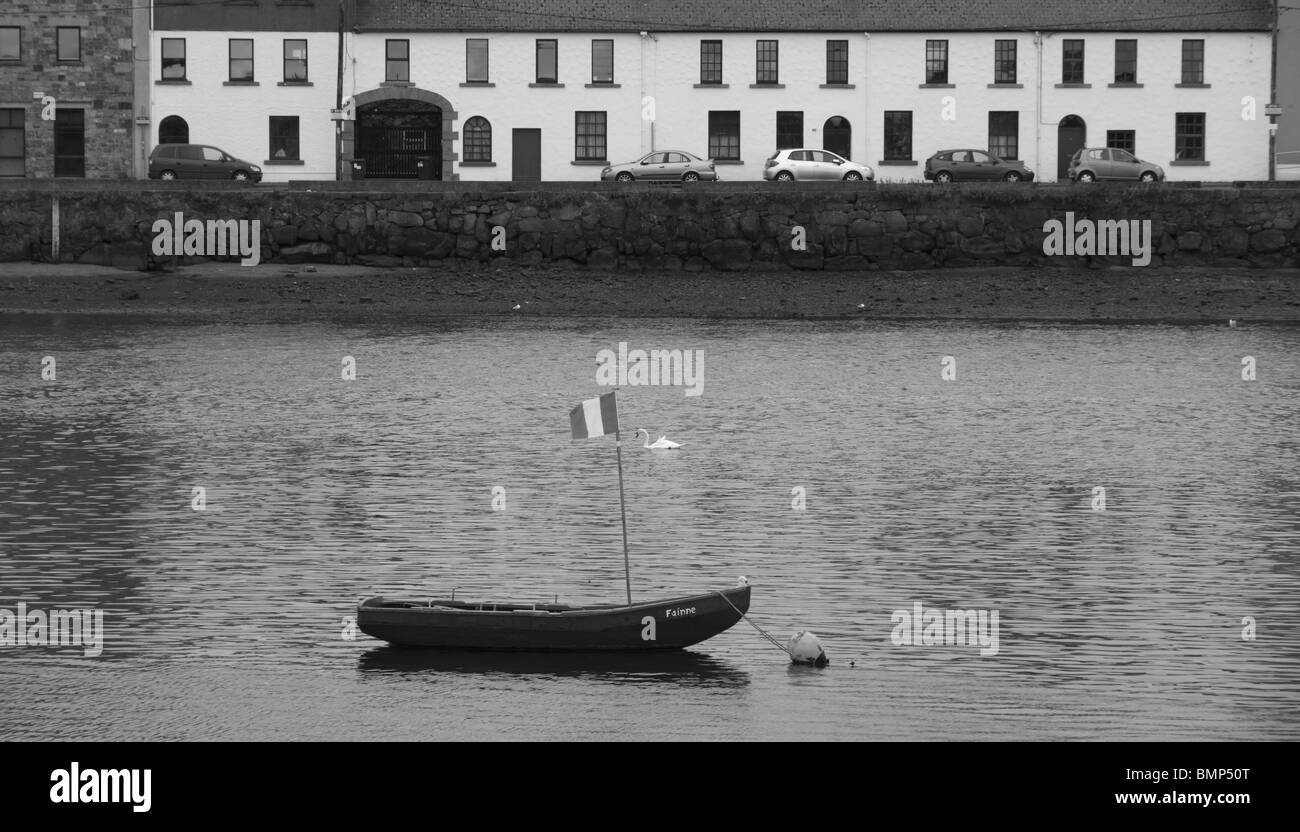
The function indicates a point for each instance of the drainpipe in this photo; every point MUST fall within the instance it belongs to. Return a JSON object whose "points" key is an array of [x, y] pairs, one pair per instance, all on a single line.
{"points": [[866, 96], [644, 45], [1038, 105]]}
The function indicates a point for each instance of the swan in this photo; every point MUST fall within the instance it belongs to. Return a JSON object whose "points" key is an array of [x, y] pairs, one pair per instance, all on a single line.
{"points": [[661, 444]]}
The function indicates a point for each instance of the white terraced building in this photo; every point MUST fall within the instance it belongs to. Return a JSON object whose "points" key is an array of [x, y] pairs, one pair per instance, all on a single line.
{"points": [[528, 90]]}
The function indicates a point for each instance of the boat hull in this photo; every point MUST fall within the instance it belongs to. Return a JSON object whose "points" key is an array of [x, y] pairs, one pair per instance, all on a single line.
{"points": [[653, 625]]}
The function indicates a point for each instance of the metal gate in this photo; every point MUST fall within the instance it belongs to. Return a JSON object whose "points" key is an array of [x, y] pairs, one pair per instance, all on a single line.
{"points": [[394, 152], [400, 139]]}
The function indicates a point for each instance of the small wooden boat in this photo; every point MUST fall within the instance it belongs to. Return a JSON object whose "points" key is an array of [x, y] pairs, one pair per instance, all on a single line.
{"points": [[647, 625], [461, 625]]}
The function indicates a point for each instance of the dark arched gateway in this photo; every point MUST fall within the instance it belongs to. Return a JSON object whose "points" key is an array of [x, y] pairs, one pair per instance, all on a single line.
{"points": [[396, 137]]}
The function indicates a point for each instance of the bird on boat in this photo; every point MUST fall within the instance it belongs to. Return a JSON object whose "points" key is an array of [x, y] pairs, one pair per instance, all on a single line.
{"points": [[660, 444]]}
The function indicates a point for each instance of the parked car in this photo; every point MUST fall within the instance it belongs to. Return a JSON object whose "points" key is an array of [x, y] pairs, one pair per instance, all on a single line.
{"points": [[969, 165], [807, 164], [663, 166], [1093, 163], [199, 161]]}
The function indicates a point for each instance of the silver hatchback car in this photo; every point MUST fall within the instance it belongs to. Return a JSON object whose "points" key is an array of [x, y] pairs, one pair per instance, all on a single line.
{"points": [[805, 164]]}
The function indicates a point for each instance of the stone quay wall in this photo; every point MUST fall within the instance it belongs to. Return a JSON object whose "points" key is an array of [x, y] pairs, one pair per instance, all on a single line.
{"points": [[739, 227]]}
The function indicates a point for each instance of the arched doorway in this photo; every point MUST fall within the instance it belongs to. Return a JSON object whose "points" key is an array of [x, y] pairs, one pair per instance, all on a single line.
{"points": [[173, 130], [1071, 135], [396, 138], [837, 136], [395, 130]]}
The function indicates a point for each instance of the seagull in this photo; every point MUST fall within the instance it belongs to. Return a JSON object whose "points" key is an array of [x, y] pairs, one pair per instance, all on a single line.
{"points": [[661, 444], [1231, 322]]}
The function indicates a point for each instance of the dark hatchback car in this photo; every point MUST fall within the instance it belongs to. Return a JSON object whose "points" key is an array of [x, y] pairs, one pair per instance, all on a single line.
{"points": [[967, 165], [199, 161]]}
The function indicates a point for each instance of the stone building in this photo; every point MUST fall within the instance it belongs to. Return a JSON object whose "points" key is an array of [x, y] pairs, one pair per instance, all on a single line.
{"points": [[71, 72], [524, 90]]}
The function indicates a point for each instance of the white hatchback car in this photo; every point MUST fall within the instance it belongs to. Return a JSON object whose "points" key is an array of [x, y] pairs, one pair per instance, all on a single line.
{"points": [[806, 165]]}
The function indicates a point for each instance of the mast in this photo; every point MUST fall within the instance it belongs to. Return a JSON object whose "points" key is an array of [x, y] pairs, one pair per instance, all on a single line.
{"points": [[622, 510]]}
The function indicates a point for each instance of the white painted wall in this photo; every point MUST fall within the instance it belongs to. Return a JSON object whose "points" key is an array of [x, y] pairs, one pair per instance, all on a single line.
{"points": [[1236, 65], [886, 69], [237, 118]]}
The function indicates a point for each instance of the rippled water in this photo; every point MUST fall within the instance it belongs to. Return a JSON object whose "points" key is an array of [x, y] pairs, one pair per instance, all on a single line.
{"points": [[975, 493]]}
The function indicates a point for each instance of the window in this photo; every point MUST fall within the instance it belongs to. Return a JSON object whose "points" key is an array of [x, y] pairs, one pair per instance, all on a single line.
{"points": [[1122, 140], [477, 142], [548, 62], [11, 44], [1004, 61], [295, 61], [69, 43], [898, 135], [1004, 134], [1072, 62], [789, 129], [13, 151], [1189, 137], [589, 136], [710, 62], [724, 134], [241, 60], [1126, 61], [476, 60], [1193, 62], [173, 59], [602, 62], [837, 61], [936, 62], [284, 138], [397, 60], [766, 70]]}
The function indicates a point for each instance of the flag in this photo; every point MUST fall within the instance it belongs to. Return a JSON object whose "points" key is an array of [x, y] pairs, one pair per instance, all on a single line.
{"points": [[594, 417]]}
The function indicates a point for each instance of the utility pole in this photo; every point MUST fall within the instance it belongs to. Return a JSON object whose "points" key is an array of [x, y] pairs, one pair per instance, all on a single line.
{"points": [[1272, 99]]}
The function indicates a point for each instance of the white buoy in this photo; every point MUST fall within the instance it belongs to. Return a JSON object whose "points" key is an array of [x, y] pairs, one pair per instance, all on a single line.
{"points": [[806, 649]]}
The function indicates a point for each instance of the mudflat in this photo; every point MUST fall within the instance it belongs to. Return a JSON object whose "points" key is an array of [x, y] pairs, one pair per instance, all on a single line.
{"points": [[226, 291]]}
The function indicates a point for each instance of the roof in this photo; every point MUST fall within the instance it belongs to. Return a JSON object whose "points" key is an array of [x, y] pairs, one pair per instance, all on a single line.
{"points": [[813, 15]]}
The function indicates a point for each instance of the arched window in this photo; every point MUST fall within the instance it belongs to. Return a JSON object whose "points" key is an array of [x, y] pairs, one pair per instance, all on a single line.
{"points": [[478, 140], [173, 130]]}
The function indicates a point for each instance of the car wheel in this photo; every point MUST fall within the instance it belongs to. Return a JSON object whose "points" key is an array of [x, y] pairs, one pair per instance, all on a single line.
{"points": [[240, 176], [1012, 176], [853, 176], [785, 176], [167, 174], [690, 176], [1086, 176], [1147, 176], [624, 177], [943, 176]]}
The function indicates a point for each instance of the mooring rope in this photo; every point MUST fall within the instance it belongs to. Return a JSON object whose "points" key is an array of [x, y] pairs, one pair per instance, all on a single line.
{"points": [[761, 631]]}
